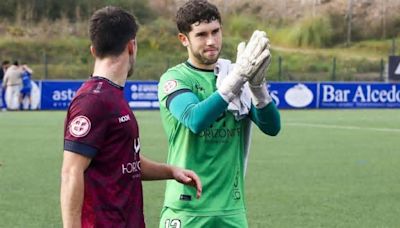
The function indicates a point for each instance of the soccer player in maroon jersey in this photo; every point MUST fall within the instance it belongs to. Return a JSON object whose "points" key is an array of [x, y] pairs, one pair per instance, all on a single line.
{"points": [[102, 166]]}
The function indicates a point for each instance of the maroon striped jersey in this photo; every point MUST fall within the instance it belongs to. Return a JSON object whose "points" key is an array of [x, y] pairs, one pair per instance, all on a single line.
{"points": [[101, 126]]}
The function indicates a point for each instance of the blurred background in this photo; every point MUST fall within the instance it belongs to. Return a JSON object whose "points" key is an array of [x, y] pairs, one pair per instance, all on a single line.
{"points": [[312, 40], [335, 162]]}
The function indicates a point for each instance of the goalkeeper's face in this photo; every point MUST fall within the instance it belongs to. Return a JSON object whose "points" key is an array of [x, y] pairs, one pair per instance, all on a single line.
{"points": [[204, 43]]}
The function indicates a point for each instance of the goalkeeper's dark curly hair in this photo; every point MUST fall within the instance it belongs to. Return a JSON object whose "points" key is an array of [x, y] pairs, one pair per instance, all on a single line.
{"points": [[196, 11]]}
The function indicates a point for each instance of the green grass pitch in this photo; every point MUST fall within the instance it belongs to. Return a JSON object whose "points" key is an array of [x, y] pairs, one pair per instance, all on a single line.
{"points": [[327, 168]]}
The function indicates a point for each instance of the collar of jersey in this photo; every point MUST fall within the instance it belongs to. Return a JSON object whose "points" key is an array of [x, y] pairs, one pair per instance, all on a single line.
{"points": [[107, 80], [195, 68]]}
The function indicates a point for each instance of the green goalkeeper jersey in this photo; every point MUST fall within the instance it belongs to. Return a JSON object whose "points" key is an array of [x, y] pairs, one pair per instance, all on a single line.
{"points": [[216, 154]]}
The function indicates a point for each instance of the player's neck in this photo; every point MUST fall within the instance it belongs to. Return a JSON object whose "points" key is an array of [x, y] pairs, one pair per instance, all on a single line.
{"points": [[114, 68], [196, 64]]}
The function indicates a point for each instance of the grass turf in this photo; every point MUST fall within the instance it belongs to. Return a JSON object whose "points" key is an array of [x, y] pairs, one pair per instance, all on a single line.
{"points": [[327, 168]]}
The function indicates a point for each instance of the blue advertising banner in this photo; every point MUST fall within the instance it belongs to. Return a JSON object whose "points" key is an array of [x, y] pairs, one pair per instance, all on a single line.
{"points": [[57, 95], [142, 94], [394, 68], [294, 94], [359, 95]]}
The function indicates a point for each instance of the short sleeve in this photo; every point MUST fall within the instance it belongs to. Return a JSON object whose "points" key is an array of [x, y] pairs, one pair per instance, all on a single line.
{"points": [[85, 125], [170, 82]]}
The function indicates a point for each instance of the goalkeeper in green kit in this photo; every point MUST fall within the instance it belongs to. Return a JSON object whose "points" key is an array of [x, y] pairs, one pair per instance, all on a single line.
{"points": [[207, 106]]}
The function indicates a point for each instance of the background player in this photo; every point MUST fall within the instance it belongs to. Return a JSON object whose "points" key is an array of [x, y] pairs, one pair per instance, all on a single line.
{"points": [[4, 65], [202, 134], [26, 79], [103, 167], [12, 84]]}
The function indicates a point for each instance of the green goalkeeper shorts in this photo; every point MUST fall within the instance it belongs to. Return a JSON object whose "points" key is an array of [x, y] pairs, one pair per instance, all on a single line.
{"points": [[171, 218]]}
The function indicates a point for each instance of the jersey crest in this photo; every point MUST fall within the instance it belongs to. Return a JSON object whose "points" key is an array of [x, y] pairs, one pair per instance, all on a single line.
{"points": [[169, 86], [79, 126]]}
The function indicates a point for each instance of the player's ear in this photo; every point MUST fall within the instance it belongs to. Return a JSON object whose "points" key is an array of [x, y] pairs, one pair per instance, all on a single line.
{"points": [[132, 46], [92, 51], [184, 39]]}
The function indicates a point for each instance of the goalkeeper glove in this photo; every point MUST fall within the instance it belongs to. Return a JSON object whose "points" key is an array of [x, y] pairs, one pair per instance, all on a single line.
{"points": [[249, 60], [258, 86]]}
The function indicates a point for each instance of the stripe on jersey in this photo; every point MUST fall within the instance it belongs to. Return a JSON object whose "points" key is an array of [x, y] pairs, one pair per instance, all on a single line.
{"points": [[174, 94], [80, 148]]}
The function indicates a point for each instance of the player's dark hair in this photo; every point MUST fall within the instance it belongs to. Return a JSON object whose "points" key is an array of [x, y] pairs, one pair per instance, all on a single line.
{"points": [[196, 11], [110, 30], [16, 63], [5, 62]]}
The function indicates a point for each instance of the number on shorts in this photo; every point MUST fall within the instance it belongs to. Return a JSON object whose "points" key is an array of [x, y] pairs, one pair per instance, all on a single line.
{"points": [[172, 223]]}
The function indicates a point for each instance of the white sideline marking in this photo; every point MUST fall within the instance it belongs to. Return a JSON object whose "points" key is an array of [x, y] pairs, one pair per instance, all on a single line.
{"points": [[344, 127]]}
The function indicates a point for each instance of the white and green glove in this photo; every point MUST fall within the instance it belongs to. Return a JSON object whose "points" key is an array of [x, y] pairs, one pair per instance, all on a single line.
{"points": [[250, 59], [258, 86]]}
